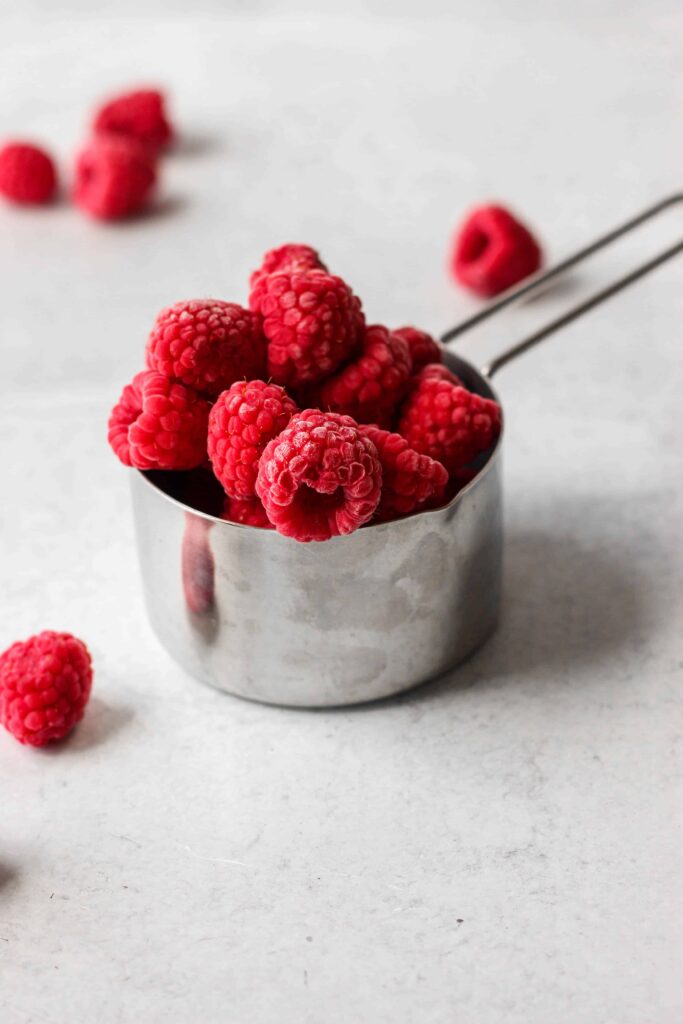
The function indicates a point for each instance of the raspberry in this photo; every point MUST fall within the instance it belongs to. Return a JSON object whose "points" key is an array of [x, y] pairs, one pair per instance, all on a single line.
{"points": [[423, 348], [45, 684], [493, 251], [197, 565], [114, 178], [242, 422], [285, 259], [137, 115], [159, 424], [207, 344], [27, 174], [320, 477], [370, 388], [449, 423], [312, 321], [435, 371], [409, 480], [247, 512]]}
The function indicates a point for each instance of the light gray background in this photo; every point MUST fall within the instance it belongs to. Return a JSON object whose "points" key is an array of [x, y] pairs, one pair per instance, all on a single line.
{"points": [[505, 845]]}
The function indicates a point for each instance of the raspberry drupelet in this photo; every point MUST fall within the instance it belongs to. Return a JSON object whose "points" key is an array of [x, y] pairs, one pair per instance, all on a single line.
{"points": [[410, 481], [45, 684], [370, 388], [159, 424], [493, 251], [242, 422], [114, 178], [448, 423], [313, 323], [138, 115], [285, 259], [423, 348], [320, 478], [207, 344], [27, 174]]}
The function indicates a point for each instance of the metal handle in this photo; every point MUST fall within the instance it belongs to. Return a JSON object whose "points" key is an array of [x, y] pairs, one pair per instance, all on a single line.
{"points": [[535, 284]]}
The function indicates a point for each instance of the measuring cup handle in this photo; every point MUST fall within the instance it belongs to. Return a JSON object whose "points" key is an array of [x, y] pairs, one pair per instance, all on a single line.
{"points": [[538, 281]]}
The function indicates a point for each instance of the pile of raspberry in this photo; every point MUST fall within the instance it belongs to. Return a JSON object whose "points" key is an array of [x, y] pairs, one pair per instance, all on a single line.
{"points": [[313, 422]]}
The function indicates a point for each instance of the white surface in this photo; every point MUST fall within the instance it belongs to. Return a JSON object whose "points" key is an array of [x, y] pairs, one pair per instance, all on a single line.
{"points": [[499, 847]]}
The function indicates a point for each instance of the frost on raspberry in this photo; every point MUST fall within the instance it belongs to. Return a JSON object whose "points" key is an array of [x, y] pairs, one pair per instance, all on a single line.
{"points": [[159, 424], [207, 344], [45, 684], [139, 115], [449, 423], [285, 259], [493, 251], [313, 323], [242, 422], [423, 348], [114, 178], [410, 481], [370, 388], [27, 174], [320, 478]]}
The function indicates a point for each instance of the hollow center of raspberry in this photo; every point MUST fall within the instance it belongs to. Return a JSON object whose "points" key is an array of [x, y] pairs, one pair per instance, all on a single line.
{"points": [[476, 244], [314, 508]]}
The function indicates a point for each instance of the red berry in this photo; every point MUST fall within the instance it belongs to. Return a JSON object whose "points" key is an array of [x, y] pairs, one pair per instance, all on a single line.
{"points": [[320, 477], [242, 422], [159, 424], [138, 115], [313, 323], [45, 684], [284, 259], [423, 348], [409, 480], [207, 344], [448, 423], [27, 174], [435, 371], [370, 388], [247, 512], [493, 251], [114, 178]]}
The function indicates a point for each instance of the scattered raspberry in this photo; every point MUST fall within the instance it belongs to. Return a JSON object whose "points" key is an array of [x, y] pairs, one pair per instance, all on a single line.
{"points": [[114, 178], [409, 480], [423, 348], [313, 323], [449, 423], [493, 251], [207, 344], [320, 477], [27, 174], [370, 388], [138, 115], [197, 565], [159, 424], [285, 259], [45, 684], [242, 422], [247, 511]]}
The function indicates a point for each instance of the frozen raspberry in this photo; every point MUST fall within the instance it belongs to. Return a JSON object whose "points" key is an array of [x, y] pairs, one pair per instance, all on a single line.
{"points": [[423, 348], [320, 477], [138, 115], [27, 174], [207, 344], [45, 684], [197, 565], [409, 480], [159, 424], [493, 251], [448, 423], [114, 178], [242, 422], [313, 323], [370, 388], [247, 512], [285, 259]]}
